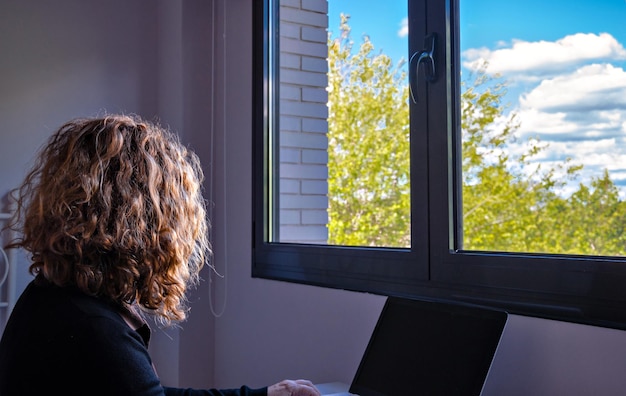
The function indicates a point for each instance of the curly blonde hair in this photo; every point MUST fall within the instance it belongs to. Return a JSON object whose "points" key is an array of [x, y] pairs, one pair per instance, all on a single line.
{"points": [[114, 207]]}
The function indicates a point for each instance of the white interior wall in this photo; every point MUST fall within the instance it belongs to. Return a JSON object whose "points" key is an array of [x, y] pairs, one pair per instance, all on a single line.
{"points": [[72, 58]]}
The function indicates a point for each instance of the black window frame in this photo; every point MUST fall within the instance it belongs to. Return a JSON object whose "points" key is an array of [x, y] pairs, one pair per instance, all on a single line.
{"points": [[581, 289]]}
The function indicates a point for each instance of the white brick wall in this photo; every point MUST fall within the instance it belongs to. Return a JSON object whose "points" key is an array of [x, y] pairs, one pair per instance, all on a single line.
{"points": [[303, 121]]}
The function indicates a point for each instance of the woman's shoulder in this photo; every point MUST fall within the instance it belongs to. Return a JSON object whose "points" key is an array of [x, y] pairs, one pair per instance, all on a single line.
{"points": [[67, 317], [47, 303], [75, 337]]}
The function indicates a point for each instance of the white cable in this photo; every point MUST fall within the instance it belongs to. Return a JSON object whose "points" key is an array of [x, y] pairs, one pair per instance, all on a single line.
{"points": [[3, 254], [7, 268], [212, 172]]}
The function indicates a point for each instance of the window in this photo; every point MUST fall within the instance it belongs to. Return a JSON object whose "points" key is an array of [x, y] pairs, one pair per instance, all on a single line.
{"points": [[400, 169]]}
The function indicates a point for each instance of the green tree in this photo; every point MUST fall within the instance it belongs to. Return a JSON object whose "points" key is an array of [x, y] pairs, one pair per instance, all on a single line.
{"points": [[597, 219], [368, 165], [508, 208], [505, 206]]}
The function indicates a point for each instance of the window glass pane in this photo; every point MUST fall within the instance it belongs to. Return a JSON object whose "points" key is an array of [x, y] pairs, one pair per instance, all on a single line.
{"points": [[543, 103], [341, 140]]}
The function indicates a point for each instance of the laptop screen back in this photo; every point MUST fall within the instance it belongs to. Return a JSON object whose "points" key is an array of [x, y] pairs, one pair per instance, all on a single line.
{"points": [[429, 348]]}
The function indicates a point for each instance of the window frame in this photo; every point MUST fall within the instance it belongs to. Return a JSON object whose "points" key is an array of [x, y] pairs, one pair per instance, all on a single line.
{"points": [[581, 289]]}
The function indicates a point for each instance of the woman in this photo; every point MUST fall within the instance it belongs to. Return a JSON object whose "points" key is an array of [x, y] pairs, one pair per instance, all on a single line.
{"points": [[113, 217]]}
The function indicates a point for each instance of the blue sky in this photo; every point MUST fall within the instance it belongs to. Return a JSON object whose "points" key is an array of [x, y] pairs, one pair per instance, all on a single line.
{"points": [[367, 16], [481, 26], [564, 61]]}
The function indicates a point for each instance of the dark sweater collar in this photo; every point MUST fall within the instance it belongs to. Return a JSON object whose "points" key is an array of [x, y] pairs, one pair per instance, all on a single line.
{"points": [[134, 320]]}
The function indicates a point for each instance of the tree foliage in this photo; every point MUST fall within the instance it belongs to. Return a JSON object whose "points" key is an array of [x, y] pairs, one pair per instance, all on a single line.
{"points": [[368, 165], [511, 202]]}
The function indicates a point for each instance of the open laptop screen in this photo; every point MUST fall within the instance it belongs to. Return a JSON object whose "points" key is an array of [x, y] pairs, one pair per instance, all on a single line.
{"points": [[429, 348]]}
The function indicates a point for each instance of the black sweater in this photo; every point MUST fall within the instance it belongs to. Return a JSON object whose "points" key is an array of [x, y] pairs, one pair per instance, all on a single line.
{"points": [[61, 341]]}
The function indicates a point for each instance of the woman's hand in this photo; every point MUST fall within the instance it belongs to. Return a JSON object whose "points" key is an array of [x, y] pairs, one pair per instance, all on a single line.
{"points": [[293, 388]]}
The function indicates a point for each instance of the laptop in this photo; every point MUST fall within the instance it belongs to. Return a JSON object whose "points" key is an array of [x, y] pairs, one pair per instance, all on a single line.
{"points": [[430, 348]]}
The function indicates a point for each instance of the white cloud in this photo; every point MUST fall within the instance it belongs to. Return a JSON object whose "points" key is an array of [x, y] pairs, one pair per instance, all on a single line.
{"points": [[546, 126], [404, 28], [582, 115], [545, 58], [592, 87], [595, 156], [572, 96]]}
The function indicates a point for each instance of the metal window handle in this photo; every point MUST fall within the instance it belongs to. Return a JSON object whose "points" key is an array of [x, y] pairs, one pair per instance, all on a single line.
{"points": [[425, 57]]}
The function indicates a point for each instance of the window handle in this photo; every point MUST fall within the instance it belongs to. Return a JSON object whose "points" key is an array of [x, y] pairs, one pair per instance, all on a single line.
{"points": [[425, 57]]}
